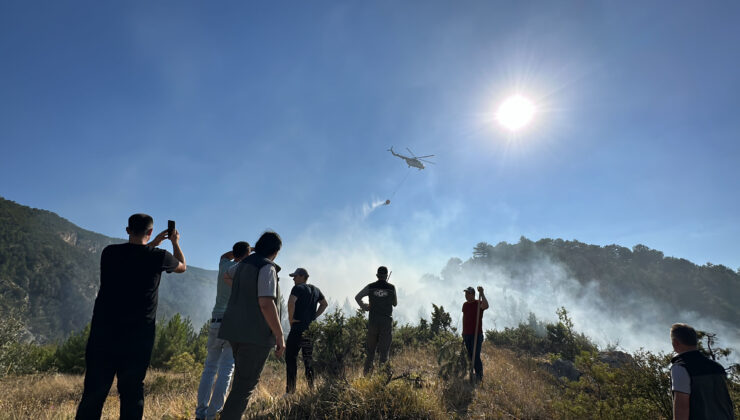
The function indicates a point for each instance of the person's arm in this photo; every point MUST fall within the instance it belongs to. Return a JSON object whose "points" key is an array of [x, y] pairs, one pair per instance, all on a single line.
{"points": [[364, 292], [177, 252], [158, 239], [483, 300], [227, 279], [680, 406], [395, 297], [291, 309], [227, 255], [322, 307], [270, 312]]}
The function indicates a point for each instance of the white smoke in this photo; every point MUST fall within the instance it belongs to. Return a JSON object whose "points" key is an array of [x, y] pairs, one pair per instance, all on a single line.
{"points": [[342, 256]]}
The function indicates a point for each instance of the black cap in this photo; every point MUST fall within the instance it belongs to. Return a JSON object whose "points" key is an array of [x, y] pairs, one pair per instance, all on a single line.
{"points": [[299, 272], [469, 289]]}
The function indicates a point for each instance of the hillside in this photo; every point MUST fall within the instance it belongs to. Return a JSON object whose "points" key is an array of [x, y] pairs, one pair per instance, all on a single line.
{"points": [[638, 283], [49, 271]]}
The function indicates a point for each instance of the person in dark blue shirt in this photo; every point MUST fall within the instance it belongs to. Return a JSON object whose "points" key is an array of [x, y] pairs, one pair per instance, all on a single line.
{"points": [[302, 311]]}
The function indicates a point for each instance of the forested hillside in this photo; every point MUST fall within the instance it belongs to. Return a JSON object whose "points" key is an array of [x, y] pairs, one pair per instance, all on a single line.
{"points": [[49, 272], [626, 280]]}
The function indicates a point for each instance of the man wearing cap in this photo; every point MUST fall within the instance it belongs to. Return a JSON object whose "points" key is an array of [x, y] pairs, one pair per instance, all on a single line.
{"points": [[219, 362], [473, 314], [301, 312], [382, 298]]}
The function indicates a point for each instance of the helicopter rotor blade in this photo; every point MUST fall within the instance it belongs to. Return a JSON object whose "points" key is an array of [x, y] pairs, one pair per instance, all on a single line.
{"points": [[427, 161], [422, 157], [412, 153]]}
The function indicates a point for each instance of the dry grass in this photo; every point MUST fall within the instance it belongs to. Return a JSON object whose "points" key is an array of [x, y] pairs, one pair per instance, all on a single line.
{"points": [[512, 388]]}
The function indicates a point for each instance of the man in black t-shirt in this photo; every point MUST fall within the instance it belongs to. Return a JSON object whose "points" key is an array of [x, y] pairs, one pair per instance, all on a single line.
{"points": [[301, 312], [122, 328], [382, 298]]}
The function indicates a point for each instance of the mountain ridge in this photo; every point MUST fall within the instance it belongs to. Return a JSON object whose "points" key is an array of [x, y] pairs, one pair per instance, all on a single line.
{"points": [[49, 274], [49, 271]]}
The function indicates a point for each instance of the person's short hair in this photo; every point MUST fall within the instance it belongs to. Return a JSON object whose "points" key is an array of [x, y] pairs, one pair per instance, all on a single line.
{"points": [[140, 223], [240, 249], [684, 333], [268, 244], [382, 272]]}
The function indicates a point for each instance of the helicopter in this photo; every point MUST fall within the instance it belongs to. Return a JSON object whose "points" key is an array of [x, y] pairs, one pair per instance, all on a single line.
{"points": [[415, 161]]}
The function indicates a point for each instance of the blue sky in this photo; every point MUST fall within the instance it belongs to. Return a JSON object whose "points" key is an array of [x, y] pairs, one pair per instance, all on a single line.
{"points": [[236, 117]]}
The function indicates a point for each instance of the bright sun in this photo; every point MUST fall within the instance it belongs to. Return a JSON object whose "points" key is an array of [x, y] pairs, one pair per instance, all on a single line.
{"points": [[515, 112]]}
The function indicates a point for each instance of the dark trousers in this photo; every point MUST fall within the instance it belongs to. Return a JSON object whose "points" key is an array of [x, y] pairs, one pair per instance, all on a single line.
{"points": [[478, 364], [378, 339], [249, 360], [123, 352], [297, 341]]}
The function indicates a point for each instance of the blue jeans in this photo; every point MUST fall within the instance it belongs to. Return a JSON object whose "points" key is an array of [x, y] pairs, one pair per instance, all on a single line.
{"points": [[477, 364], [219, 365]]}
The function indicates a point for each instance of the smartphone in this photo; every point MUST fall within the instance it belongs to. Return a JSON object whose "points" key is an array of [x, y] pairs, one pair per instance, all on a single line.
{"points": [[170, 228]]}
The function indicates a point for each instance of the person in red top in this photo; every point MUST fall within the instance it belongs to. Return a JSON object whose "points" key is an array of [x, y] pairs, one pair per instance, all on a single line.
{"points": [[471, 337]]}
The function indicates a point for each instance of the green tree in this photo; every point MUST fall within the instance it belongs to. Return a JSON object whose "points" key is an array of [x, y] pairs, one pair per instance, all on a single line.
{"points": [[482, 251], [338, 341], [441, 320], [69, 356], [176, 336], [16, 356]]}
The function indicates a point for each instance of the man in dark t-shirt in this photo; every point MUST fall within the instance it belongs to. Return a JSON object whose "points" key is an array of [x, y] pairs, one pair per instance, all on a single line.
{"points": [[301, 312], [382, 298], [473, 314], [122, 328]]}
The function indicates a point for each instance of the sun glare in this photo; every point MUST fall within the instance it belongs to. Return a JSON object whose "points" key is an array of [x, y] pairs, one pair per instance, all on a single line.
{"points": [[515, 113]]}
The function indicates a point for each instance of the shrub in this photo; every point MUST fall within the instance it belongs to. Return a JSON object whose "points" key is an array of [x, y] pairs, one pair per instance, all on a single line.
{"points": [[538, 338], [409, 336], [452, 357], [363, 398], [174, 337], [16, 356], [183, 363], [441, 320], [199, 349], [338, 342], [69, 356], [603, 392], [417, 335], [11, 330]]}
